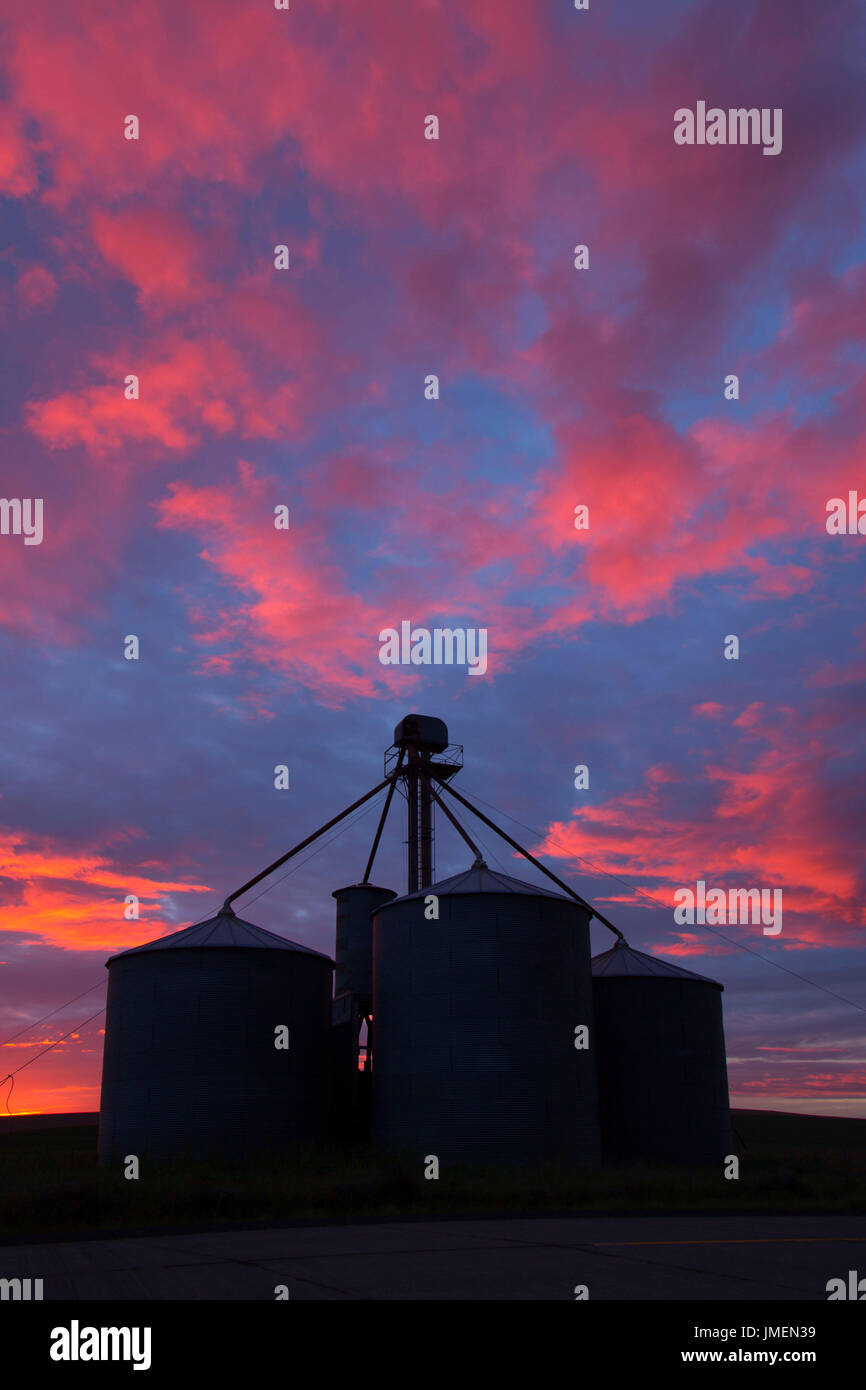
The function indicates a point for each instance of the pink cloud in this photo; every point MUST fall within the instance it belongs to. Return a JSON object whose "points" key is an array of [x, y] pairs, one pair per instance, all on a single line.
{"points": [[709, 709], [156, 250], [36, 287], [756, 827]]}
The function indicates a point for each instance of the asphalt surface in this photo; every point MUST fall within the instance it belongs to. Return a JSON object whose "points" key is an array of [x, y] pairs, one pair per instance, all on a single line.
{"points": [[683, 1257]]}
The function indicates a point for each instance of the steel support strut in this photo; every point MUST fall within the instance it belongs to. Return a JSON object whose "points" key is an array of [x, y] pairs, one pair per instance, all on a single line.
{"points": [[382, 819], [532, 859], [309, 840]]}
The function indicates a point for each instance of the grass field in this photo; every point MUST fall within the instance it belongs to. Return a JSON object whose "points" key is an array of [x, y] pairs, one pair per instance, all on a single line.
{"points": [[50, 1183]]}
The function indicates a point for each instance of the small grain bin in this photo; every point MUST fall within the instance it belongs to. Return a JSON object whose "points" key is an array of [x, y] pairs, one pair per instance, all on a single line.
{"points": [[662, 1072], [354, 951], [475, 1013], [190, 1064], [353, 1004]]}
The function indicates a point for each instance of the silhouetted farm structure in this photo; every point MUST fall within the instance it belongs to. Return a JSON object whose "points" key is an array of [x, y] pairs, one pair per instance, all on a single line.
{"points": [[467, 1020]]}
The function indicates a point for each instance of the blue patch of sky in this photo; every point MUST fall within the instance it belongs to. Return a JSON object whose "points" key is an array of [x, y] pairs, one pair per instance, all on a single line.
{"points": [[17, 231], [804, 404], [510, 441], [650, 24], [531, 320], [800, 250], [280, 207], [756, 326]]}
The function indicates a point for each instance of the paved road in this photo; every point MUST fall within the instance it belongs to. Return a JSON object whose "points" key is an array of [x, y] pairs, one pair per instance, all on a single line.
{"points": [[736, 1257]]}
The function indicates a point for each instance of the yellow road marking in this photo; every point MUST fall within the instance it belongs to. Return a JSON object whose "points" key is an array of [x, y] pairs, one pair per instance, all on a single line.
{"points": [[747, 1240]]}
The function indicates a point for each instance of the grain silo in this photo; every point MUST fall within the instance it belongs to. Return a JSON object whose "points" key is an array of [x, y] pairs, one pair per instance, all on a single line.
{"points": [[662, 1073], [190, 1063], [354, 950], [475, 1015], [352, 1007]]}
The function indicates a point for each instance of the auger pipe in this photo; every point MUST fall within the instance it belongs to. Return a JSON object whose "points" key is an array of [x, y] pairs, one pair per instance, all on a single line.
{"points": [[532, 859], [309, 840]]}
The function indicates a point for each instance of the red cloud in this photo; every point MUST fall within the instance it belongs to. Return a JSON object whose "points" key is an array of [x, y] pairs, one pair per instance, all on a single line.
{"points": [[297, 612], [771, 826], [709, 709], [248, 359], [158, 251], [64, 897], [36, 287], [187, 389], [17, 165]]}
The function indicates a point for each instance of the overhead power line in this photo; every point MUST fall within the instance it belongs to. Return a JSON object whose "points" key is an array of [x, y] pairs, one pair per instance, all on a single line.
{"points": [[10, 1076], [59, 1009]]}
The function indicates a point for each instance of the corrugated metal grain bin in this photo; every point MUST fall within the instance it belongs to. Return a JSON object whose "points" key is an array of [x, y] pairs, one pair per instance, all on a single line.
{"points": [[474, 1018], [190, 1065], [662, 1069], [354, 953]]}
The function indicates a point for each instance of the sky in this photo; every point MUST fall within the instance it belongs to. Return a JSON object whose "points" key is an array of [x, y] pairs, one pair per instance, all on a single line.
{"points": [[304, 388]]}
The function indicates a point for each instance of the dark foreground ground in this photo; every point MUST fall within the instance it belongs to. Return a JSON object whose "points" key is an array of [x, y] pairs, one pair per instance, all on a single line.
{"points": [[713, 1258], [51, 1186]]}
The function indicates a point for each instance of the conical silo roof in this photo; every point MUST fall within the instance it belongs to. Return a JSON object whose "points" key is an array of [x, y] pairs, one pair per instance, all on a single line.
{"points": [[225, 929], [480, 879], [622, 960]]}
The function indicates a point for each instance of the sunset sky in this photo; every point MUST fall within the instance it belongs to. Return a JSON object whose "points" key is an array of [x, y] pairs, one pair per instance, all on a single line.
{"points": [[559, 387]]}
